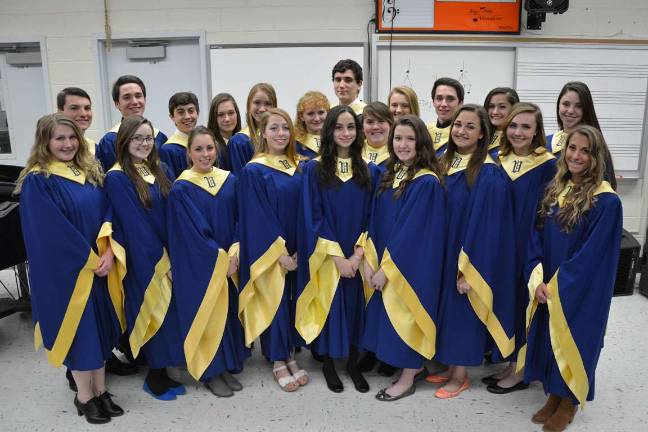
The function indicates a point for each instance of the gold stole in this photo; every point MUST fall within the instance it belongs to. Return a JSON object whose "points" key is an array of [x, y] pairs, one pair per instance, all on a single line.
{"points": [[516, 166], [440, 136], [495, 140], [280, 163], [558, 141], [373, 154], [178, 138], [312, 142]]}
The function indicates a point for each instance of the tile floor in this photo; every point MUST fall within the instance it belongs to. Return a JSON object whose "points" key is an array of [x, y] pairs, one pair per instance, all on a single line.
{"points": [[34, 396]]}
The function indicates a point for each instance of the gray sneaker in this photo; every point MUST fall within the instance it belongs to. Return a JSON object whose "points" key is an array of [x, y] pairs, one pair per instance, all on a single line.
{"points": [[218, 387], [231, 382]]}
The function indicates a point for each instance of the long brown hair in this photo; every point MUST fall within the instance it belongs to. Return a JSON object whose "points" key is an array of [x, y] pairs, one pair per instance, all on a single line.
{"points": [[539, 141], [291, 150], [212, 121], [253, 127], [425, 156], [481, 152], [40, 155], [328, 151], [200, 130], [127, 130], [580, 198], [589, 118]]}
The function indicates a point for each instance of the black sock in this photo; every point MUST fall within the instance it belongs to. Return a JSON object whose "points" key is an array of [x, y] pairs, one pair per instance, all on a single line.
{"points": [[330, 374], [156, 382], [368, 362]]}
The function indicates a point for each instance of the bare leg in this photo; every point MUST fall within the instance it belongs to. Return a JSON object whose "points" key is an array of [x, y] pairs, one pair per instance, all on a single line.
{"points": [[99, 381], [405, 381], [83, 380], [457, 377], [512, 378]]}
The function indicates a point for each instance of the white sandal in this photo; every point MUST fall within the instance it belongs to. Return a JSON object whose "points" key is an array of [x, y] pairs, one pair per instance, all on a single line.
{"points": [[285, 381], [301, 376]]}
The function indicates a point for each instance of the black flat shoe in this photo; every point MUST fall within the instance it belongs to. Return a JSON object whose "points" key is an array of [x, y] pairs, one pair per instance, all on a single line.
{"points": [[383, 396], [92, 411], [359, 382], [118, 367], [386, 370], [71, 382], [490, 379], [109, 406], [330, 375], [494, 388]]}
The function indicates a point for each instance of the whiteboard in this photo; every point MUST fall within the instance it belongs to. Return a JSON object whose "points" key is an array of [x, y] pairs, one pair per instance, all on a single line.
{"points": [[479, 69], [292, 71], [617, 78]]}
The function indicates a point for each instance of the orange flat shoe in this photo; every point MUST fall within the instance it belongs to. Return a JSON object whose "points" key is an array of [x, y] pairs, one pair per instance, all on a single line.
{"points": [[442, 393], [437, 379]]}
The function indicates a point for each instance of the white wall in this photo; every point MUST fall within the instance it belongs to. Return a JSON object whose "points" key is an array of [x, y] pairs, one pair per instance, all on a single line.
{"points": [[69, 26]]}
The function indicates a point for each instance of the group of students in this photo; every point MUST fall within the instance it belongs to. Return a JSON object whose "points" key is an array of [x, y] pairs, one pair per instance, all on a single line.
{"points": [[356, 231]]}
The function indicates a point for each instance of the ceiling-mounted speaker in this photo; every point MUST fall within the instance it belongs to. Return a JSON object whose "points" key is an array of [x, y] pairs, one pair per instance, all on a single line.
{"points": [[546, 6]]}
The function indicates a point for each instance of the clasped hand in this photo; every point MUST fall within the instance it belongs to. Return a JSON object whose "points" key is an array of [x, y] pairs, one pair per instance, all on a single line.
{"points": [[288, 262]]}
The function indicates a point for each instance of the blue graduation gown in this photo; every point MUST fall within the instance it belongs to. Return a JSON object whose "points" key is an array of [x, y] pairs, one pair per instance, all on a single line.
{"points": [[240, 150], [528, 177], [406, 238], [174, 153], [309, 148], [566, 334], [65, 229], [268, 213], [106, 152], [330, 309], [202, 217], [149, 305], [479, 248]]}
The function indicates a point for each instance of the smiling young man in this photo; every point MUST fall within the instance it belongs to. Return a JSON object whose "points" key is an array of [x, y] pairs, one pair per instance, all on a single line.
{"points": [[183, 111], [75, 103], [447, 96], [347, 82], [129, 97]]}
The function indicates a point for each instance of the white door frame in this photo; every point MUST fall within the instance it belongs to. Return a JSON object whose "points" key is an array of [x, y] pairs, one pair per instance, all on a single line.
{"points": [[105, 98]]}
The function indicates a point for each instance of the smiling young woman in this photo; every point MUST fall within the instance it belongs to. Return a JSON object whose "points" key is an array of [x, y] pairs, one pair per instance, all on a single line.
{"points": [[311, 112], [203, 246], [269, 188], [571, 269], [477, 299], [498, 104]]}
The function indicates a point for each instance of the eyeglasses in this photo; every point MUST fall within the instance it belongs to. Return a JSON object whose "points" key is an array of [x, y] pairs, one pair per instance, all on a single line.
{"points": [[139, 139]]}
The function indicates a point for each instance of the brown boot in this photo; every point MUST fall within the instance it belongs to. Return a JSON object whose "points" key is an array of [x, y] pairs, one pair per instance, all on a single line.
{"points": [[562, 417], [547, 410]]}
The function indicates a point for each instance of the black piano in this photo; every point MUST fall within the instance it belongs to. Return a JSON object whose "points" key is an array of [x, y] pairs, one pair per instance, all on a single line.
{"points": [[12, 249]]}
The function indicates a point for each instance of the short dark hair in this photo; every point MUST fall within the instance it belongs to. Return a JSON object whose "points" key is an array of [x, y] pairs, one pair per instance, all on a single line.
{"points": [[345, 65], [69, 91], [450, 82], [126, 79], [182, 98]]}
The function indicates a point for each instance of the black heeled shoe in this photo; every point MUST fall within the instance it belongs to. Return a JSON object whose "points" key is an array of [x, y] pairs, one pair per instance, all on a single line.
{"points": [[117, 367], [110, 407], [92, 411]]}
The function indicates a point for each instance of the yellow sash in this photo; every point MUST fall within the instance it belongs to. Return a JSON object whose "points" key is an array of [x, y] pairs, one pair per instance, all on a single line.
{"points": [[516, 166], [558, 141], [209, 182], [495, 140], [440, 136], [376, 155], [178, 138], [280, 163]]}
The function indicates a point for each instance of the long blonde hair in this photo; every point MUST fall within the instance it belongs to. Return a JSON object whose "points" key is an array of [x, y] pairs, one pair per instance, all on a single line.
{"points": [[291, 151], [40, 155], [580, 199]]}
